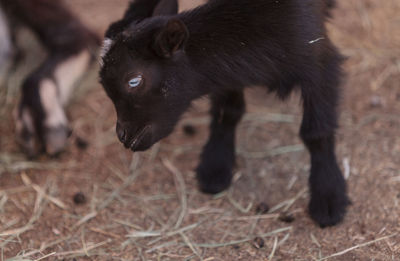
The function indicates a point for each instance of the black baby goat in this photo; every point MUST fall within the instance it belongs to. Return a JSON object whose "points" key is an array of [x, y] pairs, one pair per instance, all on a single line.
{"points": [[155, 66]]}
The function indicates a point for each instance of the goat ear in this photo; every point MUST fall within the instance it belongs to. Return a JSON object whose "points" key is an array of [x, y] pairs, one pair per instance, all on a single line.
{"points": [[166, 7], [116, 28], [171, 38]]}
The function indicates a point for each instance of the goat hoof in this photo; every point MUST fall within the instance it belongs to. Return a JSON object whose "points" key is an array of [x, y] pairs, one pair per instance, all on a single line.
{"points": [[56, 140], [328, 209], [213, 179]]}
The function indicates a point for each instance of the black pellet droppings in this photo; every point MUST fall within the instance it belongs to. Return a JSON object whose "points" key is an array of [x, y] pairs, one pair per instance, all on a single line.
{"points": [[286, 217], [189, 130], [81, 143], [79, 198], [258, 242], [262, 208]]}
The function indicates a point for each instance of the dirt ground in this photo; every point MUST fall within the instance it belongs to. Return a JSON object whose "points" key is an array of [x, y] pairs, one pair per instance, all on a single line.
{"points": [[146, 206]]}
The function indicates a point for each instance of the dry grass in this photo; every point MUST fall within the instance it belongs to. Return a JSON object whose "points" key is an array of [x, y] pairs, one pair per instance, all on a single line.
{"points": [[146, 206]]}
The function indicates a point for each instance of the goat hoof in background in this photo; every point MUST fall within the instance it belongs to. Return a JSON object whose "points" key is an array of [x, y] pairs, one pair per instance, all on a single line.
{"points": [[56, 139], [36, 139]]}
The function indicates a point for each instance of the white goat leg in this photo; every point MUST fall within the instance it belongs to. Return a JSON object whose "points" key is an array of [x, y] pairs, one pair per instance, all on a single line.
{"points": [[69, 72], [55, 95]]}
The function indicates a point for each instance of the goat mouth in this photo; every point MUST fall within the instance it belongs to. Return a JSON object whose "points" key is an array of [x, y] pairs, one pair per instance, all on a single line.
{"points": [[138, 137]]}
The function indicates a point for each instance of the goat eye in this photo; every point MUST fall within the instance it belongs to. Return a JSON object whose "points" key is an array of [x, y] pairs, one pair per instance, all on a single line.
{"points": [[135, 82]]}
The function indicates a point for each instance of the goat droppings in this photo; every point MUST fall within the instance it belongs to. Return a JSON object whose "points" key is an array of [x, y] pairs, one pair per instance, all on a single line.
{"points": [[258, 243], [286, 217], [81, 143], [79, 198], [262, 208], [189, 130]]}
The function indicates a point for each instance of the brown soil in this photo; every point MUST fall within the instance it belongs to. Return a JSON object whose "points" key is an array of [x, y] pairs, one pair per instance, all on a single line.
{"points": [[146, 206]]}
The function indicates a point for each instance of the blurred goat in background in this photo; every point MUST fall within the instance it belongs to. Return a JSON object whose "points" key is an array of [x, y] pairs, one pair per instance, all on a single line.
{"points": [[41, 122]]}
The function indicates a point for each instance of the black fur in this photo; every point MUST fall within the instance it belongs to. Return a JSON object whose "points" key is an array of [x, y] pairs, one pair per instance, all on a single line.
{"points": [[218, 49]]}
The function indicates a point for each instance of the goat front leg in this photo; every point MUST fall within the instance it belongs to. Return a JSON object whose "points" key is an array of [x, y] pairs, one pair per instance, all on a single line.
{"points": [[327, 186], [41, 121], [214, 172]]}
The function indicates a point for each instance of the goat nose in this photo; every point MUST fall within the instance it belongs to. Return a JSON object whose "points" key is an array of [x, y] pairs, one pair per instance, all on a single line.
{"points": [[121, 133]]}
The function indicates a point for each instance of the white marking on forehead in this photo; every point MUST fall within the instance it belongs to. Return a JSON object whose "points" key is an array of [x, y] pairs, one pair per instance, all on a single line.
{"points": [[55, 115], [68, 73], [107, 44]]}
